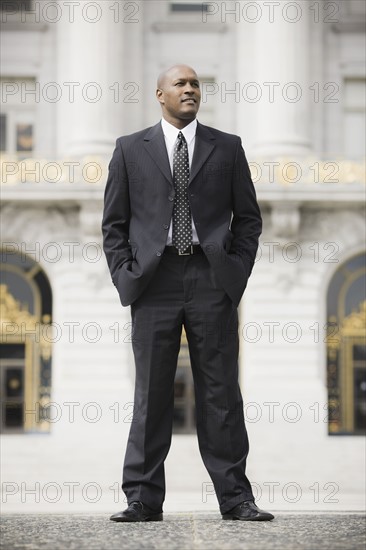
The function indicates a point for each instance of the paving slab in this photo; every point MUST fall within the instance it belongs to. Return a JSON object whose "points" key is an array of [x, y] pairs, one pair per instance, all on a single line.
{"points": [[184, 531]]}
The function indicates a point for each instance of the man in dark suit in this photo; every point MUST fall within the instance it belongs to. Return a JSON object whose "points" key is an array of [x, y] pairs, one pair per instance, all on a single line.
{"points": [[181, 226]]}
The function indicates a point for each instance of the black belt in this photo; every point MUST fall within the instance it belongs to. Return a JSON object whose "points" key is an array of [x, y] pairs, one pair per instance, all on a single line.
{"points": [[193, 249]]}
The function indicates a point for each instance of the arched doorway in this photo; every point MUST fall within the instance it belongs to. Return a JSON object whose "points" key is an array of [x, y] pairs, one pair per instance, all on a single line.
{"points": [[346, 348], [25, 344]]}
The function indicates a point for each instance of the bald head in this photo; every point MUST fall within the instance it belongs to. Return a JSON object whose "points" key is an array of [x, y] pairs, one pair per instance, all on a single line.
{"points": [[173, 72], [179, 95]]}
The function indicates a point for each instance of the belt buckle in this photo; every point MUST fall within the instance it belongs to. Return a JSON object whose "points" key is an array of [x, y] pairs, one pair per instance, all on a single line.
{"points": [[186, 253]]}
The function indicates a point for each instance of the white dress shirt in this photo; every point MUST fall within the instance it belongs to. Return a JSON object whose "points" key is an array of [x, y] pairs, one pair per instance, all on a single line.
{"points": [[170, 135]]}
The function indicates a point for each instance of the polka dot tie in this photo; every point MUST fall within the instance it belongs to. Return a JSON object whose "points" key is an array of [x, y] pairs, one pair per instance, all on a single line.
{"points": [[182, 223]]}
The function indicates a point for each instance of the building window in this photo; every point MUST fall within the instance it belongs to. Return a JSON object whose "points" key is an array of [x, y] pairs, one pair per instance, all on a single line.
{"points": [[24, 138], [25, 344], [15, 5], [184, 419], [188, 7], [346, 348], [3, 121], [17, 122], [355, 7], [210, 97], [354, 117]]}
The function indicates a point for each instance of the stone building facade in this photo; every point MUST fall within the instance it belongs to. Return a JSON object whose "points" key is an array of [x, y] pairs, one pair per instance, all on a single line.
{"points": [[289, 78]]}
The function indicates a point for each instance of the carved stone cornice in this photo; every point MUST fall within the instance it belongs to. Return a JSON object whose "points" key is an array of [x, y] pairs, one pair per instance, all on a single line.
{"points": [[310, 181], [285, 220], [91, 171]]}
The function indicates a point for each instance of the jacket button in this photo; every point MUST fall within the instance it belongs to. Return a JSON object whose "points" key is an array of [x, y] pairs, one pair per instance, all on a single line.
{"points": [[158, 253], [192, 194], [171, 198], [166, 226]]}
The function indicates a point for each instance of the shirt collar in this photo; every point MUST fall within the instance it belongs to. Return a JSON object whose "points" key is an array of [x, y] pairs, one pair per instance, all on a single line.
{"points": [[171, 132]]}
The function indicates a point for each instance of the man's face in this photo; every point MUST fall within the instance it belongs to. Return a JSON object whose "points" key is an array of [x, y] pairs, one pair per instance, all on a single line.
{"points": [[179, 95]]}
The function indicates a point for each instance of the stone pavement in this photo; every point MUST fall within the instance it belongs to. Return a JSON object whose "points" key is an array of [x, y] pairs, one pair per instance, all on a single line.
{"points": [[288, 531]]}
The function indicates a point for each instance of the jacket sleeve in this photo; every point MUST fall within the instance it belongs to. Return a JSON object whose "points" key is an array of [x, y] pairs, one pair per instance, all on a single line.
{"points": [[246, 223], [116, 214]]}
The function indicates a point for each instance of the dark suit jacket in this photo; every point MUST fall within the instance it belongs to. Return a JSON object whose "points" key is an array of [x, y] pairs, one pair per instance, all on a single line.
{"points": [[139, 198]]}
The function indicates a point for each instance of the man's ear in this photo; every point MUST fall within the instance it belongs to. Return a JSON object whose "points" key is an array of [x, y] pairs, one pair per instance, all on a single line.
{"points": [[159, 95]]}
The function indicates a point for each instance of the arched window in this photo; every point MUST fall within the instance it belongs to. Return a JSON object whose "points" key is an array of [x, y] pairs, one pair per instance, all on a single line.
{"points": [[346, 348], [25, 344]]}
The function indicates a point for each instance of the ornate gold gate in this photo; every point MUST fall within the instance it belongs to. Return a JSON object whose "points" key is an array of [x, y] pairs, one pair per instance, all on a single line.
{"points": [[346, 349]]}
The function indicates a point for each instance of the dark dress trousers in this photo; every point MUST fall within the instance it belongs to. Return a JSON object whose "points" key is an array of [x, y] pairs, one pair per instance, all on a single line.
{"points": [[200, 292]]}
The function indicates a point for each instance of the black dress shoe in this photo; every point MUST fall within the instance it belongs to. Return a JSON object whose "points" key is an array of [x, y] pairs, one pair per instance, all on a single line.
{"points": [[137, 511], [247, 511]]}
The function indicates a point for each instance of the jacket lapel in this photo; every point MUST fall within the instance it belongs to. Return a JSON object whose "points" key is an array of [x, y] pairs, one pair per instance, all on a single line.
{"points": [[155, 145], [203, 147]]}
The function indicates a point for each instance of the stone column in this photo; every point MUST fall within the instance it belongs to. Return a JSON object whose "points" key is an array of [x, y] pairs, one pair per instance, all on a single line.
{"points": [[281, 50], [90, 71]]}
